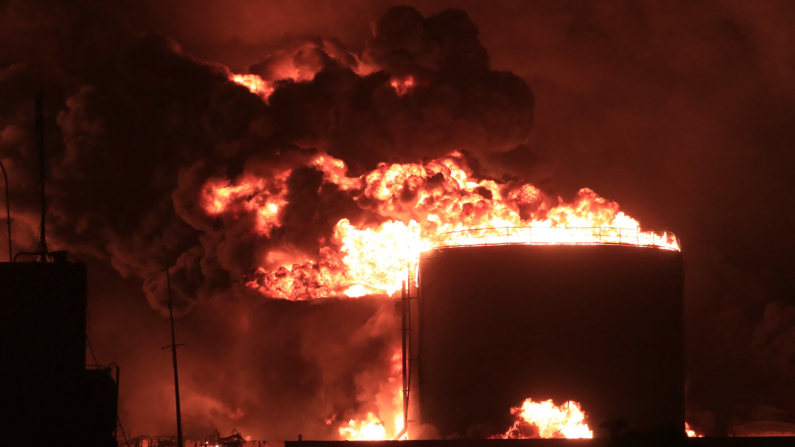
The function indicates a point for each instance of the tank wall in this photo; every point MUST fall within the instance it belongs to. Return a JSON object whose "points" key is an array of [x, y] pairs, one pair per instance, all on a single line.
{"points": [[601, 325]]}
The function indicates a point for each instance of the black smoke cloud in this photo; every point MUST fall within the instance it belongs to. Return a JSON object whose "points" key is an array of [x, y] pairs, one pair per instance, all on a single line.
{"points": [[135, 128], [680, 112]]}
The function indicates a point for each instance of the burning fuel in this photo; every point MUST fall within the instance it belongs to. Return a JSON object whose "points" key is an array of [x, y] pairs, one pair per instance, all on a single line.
{"points": [[546, 420], [416, 207], [691, 433], [541, 419]]}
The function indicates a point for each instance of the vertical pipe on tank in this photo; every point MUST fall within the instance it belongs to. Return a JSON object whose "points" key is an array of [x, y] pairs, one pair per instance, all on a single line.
{"points": [[403, 328], [407, 393], [406, 346], [403, 341], [405, 306]]}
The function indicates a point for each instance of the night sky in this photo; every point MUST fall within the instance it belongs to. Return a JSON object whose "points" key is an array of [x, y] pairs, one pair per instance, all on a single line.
{"points": [[682, 112]]}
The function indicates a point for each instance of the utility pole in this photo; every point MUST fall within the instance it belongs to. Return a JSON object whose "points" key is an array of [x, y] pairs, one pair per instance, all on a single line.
{"points": [[173, 347]]}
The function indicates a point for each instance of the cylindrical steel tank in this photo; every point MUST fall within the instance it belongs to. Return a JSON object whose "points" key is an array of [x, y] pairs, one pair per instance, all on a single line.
{"points": [[600, 324]]}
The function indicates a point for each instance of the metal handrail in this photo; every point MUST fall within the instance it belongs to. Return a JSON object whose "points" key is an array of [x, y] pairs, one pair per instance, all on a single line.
{"points": [[558, 236]]}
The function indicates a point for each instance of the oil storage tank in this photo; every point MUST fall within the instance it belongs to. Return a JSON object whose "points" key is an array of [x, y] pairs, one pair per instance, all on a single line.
{"points": [[599, 323]]}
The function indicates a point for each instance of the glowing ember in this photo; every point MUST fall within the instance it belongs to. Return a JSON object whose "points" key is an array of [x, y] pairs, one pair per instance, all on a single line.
{"points": [[545, 420], [421, 206]]}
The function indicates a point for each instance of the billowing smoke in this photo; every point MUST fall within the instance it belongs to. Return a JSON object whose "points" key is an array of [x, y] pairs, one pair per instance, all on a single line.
{"points": [[135, 143], [139, 128]]}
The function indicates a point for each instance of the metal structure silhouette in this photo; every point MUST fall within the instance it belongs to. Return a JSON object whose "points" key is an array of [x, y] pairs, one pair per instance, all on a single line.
{"points": [[173, 347]]}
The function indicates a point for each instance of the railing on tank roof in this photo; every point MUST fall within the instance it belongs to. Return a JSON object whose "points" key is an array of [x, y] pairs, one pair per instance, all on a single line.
{"points": [[559, 236]]}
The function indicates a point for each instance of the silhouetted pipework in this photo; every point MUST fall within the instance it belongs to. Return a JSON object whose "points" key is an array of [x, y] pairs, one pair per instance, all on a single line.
{"points": [[406, 353], [598, 324]]}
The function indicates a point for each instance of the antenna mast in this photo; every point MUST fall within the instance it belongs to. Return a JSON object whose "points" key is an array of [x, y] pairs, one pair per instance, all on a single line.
{"points": [[42, 250], [173, 347]]}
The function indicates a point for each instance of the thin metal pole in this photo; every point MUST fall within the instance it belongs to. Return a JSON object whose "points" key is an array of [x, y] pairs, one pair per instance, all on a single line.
{"points": [[42, 168], [405, 354], [408, 348], [174, 355], [8, 212]]}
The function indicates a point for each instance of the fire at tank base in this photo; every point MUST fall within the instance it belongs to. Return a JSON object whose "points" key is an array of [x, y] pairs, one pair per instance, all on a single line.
{"points": [[600, 325]]}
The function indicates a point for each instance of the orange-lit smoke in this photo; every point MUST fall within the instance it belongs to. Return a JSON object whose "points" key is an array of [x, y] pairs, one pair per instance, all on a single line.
{"points": [[402, 86], [388, 423], [546, 420], [256, 84], [435, 203], [301, 64]]}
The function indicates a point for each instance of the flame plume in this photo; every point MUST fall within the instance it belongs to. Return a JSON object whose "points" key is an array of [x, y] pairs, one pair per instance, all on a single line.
{"points": [[691, 433], [548, 421], [421, 206]]}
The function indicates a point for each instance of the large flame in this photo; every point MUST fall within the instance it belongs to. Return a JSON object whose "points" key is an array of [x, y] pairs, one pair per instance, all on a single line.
{"points": [[546, 420], [369, 429], [421, 206]]}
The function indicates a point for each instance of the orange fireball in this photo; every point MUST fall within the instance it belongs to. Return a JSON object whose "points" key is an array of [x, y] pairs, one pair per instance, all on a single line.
{"points": [[433, 204]]}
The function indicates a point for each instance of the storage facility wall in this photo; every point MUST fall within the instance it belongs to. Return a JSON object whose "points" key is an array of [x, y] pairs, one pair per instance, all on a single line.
{"points": [[600, 325], [43, 333]]}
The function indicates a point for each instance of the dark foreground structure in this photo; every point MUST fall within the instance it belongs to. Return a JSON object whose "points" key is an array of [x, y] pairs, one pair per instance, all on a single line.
{"points": [[597, 324], [49, 396]]}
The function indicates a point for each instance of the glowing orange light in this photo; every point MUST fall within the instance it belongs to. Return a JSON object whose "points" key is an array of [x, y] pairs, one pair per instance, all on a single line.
{"points": [[436, 203], [256, 84], [691, 433], [402, 86], [370, 429], [548, 421]]}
